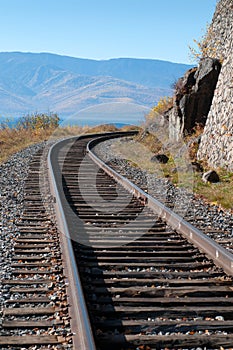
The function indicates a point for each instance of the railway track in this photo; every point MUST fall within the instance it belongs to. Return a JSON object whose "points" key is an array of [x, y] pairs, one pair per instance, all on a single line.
{"points": [[135, 279], [146, 286], [36, 312]]}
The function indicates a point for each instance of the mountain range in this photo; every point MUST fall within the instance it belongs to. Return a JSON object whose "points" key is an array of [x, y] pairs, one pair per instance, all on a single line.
{"points": [[44, 82]]}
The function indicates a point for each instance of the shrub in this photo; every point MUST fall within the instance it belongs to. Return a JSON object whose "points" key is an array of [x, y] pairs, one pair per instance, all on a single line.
{"points": [[205, 47], [164, 104], [39, 121]]}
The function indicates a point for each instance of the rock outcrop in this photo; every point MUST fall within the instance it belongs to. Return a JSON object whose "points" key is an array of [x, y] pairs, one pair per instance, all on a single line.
{"points": [[193, 97], [204, 95]]}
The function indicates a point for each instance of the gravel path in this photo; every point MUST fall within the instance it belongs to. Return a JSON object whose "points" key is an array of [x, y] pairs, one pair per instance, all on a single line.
{"points": [[213, 220]]}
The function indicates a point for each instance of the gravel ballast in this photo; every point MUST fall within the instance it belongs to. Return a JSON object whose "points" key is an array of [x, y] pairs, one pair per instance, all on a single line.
{"points": [[13, 174], [14, 186]]}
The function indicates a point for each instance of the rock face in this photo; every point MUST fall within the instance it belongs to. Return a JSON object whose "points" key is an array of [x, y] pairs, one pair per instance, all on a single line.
{"points": [[193, 98], [217, 141]]}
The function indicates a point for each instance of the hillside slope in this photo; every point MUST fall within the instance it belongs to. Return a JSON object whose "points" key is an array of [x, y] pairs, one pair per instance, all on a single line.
{"points": [[32, 82]]}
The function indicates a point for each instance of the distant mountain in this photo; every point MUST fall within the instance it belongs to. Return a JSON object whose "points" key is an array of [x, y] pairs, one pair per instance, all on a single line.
{"points": [[45, 82]]}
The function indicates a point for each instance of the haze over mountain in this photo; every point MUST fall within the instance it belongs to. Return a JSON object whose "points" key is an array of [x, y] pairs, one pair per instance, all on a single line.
{"points": [[43, 82]]}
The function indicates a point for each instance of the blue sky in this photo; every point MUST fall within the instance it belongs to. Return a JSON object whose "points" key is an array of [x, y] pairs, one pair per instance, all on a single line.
{"points": [[103, 29]]}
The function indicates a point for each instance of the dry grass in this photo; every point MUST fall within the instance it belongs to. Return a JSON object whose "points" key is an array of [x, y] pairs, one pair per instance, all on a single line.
{"points": [[178, 170], [150, 141], [220, 193], [102, 128], [13, 140]]}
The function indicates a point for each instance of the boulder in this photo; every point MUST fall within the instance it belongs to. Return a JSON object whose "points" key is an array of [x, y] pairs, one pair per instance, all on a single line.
{"points": [[210, 176], [161, 158]]}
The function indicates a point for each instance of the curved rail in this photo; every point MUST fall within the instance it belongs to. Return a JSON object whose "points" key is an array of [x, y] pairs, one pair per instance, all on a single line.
{"points": [[110, 301], [220, 255], [80, 323], [83, 337]]}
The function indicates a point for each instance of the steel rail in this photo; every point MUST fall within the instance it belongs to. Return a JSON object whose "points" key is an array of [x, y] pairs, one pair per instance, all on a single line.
{"points": [[217, 253], [80, 324]]}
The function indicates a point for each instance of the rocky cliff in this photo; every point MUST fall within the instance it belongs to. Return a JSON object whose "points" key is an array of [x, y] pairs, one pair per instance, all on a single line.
{"points": [[205, 94], [217, 141]]}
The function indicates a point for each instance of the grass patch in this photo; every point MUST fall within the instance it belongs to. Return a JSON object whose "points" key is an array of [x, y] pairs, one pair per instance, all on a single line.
{"points": [[220, 193], [179, 170], [14, 140]]}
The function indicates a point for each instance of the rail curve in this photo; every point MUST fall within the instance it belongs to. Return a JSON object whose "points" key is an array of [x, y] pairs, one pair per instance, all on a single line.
{"points": [[150, 280], [116, 267]]}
